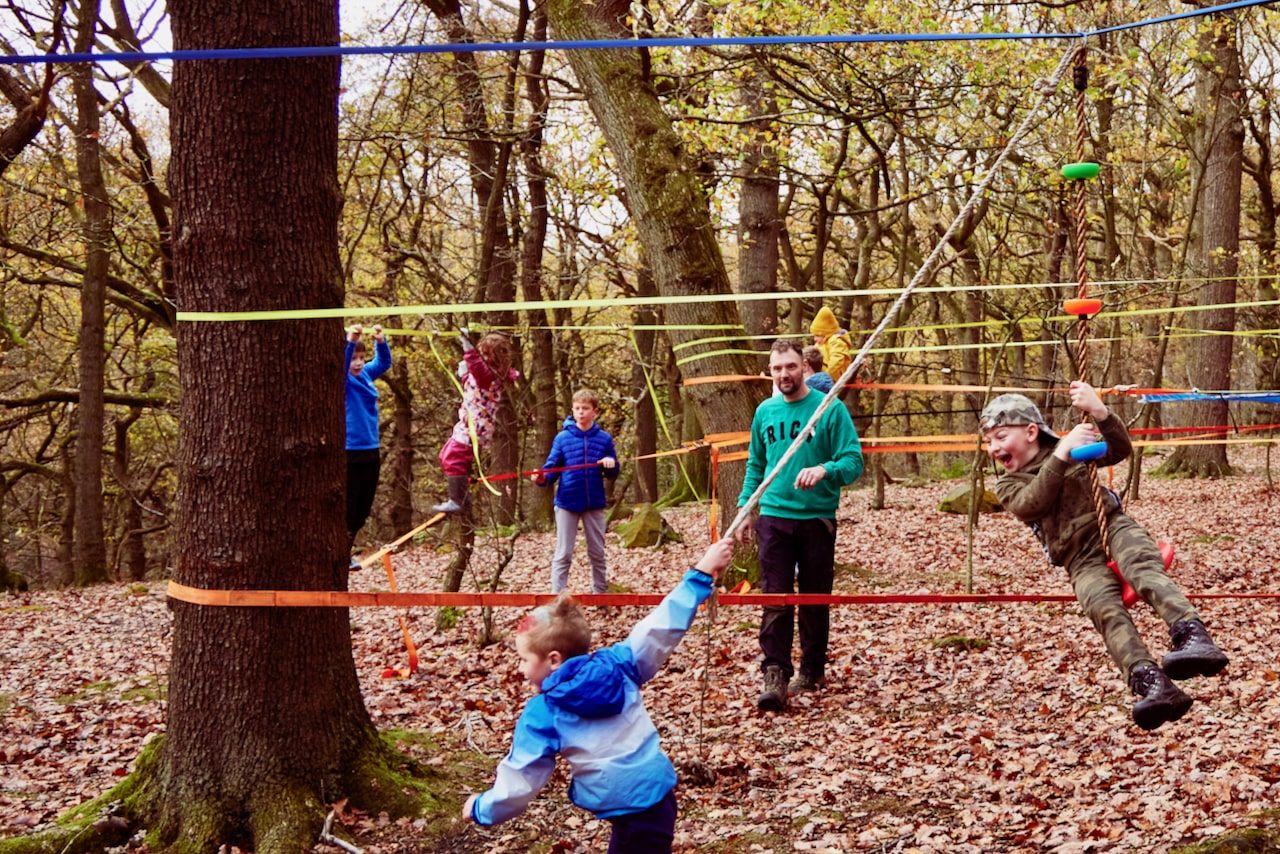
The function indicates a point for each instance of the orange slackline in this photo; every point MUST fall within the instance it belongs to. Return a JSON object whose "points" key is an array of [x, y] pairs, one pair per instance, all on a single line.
{"points": [[347, 599]]}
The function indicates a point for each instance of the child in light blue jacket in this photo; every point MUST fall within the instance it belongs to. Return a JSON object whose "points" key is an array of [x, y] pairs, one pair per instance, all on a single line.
{"points": [[588, 709]]}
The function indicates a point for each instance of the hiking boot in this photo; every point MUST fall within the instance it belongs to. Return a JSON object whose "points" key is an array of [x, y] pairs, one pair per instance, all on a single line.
{"points": [[774, 697], [354, 566], [1194, 653], [805, 682], [1161, 702], [458, 486]]}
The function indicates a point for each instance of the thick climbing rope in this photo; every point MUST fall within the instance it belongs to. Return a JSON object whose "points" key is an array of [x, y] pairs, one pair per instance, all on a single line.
{"points": [[1080, 77]]}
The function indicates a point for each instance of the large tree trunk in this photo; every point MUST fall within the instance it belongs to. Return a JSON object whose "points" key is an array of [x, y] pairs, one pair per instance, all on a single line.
{"points": [[759, 225], [90, 546], [265, 717], [669, 208], [643, 386], [541, 366], [1220, 141]]}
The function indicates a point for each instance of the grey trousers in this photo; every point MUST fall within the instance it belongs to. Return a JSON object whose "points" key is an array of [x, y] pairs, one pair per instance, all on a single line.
{"points": [[567, 536]]}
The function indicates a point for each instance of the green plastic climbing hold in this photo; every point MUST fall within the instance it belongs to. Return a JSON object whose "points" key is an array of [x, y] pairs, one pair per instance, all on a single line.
{"points": [[1080, 171]]}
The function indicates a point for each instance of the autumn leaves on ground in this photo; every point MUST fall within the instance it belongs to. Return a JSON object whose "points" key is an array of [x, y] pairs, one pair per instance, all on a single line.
{"points": [[944, 728]]}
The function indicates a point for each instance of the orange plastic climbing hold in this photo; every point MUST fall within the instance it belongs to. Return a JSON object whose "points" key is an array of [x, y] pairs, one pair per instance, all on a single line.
{"points": [[1086, 307]]}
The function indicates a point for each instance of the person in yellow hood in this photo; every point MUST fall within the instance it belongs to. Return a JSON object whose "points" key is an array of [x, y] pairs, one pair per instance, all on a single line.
{"points": [[832, 341]]}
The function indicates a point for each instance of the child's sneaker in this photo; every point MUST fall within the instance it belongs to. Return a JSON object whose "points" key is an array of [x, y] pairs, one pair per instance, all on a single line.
{"points": [[449, 506], [1194, 653]]}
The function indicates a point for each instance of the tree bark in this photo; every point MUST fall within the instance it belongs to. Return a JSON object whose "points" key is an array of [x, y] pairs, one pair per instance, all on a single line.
{"points": [[643, 385], [1220, 142], [265, 719], [541, 367], [669, 208], [90, 549], [759, 227]]}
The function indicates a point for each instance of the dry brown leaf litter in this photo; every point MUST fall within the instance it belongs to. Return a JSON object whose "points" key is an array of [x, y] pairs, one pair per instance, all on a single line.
{"points": [[1025, 745]]}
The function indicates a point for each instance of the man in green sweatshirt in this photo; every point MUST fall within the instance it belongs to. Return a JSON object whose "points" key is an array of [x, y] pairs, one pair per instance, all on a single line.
{"points": [[796, 526]]}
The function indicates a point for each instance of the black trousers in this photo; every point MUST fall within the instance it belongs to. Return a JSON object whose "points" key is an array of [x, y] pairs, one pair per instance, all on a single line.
{"points": [[363, 468], [804, 551], [650, 831]]}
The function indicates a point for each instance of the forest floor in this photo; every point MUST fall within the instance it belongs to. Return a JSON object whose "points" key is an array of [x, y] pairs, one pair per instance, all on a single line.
{"points": [[916, 744]]}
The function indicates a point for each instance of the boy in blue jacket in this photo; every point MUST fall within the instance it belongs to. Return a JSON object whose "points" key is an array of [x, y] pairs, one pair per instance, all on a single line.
{"points": [[588, 709], [363, 459], [581, 494]]}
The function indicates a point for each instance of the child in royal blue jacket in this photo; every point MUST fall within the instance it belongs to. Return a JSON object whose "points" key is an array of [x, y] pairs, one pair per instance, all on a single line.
{"points": [[581, 496], [364, 461], [588, 709]]}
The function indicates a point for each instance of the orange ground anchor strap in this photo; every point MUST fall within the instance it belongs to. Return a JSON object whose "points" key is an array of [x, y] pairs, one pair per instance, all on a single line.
{"points": [[344, 599], [404, 628]]}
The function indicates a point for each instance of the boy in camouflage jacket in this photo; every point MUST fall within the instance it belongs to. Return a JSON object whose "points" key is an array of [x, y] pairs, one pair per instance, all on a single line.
{"points": [[1043, 487]]}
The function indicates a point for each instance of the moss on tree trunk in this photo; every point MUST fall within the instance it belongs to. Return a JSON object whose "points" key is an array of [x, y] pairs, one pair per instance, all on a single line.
{"points": [[271, 814]]}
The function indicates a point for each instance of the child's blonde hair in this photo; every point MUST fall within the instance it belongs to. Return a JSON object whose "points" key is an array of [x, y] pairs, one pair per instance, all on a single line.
{"points": [[556, 627], [586, 395], [495, 349]]}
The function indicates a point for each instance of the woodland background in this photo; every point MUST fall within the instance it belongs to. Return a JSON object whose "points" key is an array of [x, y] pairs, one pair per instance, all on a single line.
{"points": [[729, 190], [482, 177], [945, 728]]}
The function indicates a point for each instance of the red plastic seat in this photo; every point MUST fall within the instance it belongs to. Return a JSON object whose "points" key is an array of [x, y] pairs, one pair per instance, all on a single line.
{"points": [[1130, 596]]}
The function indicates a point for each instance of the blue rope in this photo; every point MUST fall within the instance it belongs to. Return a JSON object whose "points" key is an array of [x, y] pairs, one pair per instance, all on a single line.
{"points": [[591, 44]]}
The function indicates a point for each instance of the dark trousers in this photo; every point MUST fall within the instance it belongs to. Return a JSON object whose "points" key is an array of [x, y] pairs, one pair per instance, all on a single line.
{"points": [[791, 550], [649, 831], [362, 482]]}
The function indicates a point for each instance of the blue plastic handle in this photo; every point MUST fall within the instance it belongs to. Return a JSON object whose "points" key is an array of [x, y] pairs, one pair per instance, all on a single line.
{"points": [[1085, 453]]}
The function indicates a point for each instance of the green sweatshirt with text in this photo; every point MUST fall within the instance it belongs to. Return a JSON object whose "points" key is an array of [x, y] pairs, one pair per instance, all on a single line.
{"points": [[834, 445]]}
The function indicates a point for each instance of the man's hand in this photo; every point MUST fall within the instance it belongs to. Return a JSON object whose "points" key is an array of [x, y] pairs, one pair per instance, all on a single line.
{"points": [[809, 478], [743, 535], [716, 559], [607, 462], [467, 815], [540, 479]]}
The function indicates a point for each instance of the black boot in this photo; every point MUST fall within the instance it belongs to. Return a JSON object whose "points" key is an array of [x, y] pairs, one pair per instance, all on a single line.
{"points": [[1161, 702], [1194, 653], [458, 486], [774, 696]]}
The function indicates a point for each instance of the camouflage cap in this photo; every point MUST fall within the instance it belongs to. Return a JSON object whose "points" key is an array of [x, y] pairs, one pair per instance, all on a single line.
{"points": [[1014, 409]]}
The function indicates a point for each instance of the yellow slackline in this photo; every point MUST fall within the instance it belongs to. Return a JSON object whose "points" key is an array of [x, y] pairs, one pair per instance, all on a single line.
{"points": [[606, 302]]}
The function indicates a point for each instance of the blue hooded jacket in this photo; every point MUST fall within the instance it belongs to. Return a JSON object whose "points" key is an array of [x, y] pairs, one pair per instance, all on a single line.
{"points": [[580, 489], [591, 713], [362, 397]]}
